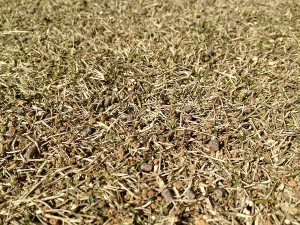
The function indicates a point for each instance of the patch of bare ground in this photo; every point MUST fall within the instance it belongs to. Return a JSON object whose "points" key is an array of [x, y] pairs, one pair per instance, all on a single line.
{"points": [[149, 112]]}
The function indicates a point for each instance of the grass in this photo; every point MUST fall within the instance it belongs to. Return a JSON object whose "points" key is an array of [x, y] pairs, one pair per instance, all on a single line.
{"points": [[149, 112]]}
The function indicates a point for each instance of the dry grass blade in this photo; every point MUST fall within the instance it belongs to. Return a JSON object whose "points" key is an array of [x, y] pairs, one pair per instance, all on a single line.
{"points": [[149, 112]]}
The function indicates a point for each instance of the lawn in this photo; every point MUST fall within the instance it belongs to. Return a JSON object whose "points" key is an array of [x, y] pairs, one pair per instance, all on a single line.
{"points": [[150, 112]]}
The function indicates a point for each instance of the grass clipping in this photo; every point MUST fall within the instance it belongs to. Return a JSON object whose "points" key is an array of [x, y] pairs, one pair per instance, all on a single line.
{"points": [[149, 112]]}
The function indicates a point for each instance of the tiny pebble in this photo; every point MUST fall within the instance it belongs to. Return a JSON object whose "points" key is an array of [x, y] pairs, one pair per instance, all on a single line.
{"points": [[188, 109], [144, 192], [220, 193], [146, 167], [292, 183], [130, 118], [209, 124], [190, 194], [2, 150], [188, 118], [200, 222], [268, 222], [121, 153], [214, 144], [150, 193], [86, 132], [167, 195], [103, 117], [210, 52], [92, 121], [177, 184], [107, 101], [31, 152]]}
